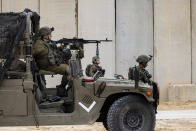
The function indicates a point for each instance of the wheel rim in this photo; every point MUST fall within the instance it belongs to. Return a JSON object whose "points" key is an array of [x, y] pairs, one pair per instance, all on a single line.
{"points": [[133, 120]]}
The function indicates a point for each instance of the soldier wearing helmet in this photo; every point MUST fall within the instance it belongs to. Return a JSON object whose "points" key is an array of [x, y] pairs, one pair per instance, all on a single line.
{"points": [[46, 57], [145, 76], [94, 67]]}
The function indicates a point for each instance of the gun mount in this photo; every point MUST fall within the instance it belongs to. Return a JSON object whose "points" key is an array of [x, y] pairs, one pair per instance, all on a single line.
{"points": [[77, 43]]}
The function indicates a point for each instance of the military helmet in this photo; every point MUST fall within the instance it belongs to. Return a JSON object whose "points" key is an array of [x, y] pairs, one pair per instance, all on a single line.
{"points": [[143, 58], [94, 59], [45, 31]]}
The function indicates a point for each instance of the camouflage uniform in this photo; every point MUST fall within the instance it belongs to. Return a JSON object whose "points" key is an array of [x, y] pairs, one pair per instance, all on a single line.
{"points": [[94, 68], [144, 75], [46, 59]]}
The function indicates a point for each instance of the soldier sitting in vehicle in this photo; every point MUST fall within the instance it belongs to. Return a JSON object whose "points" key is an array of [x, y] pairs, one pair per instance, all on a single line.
{"points": [[144, 75], [91, 69], [46, 57]]}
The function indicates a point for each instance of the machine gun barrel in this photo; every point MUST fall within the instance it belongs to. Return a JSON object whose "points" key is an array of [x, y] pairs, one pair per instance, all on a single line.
{"points": [[97, 41], [80, 40]]}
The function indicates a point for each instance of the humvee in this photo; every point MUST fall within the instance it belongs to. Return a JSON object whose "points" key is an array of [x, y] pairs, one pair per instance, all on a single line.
{"points": [[122, 105]]}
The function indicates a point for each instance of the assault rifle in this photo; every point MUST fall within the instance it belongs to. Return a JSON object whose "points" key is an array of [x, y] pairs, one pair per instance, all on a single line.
{"points": [[136, 77], [79, 42]]}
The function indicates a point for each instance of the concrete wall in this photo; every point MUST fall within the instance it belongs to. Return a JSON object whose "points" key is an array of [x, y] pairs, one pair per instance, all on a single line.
{"points": [[193, 18], [59, 14], [172, 44], [19, 5], [96, 20], [134, 33], [0, 5]]}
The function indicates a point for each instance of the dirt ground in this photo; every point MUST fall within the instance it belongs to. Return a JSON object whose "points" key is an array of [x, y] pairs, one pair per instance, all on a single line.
{"points": [[176, 125], [162, 125], [190, 105]]}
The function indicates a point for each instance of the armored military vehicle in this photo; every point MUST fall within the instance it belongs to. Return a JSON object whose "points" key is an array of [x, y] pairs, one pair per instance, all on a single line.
{"points": [[122, 105]]}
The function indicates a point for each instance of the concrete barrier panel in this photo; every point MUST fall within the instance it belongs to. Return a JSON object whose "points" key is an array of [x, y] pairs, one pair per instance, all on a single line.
{"points": [[0, 6], [193, 16], [59, 14], [182, 92], [134, 33], [172, 44], [19, 5], [96, 20]]}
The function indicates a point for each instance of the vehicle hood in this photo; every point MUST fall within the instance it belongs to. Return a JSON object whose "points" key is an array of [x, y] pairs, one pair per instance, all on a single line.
{"points": [[122, 83]]}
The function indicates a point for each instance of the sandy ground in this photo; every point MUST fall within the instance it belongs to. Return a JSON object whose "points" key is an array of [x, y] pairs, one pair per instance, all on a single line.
{"points": [[180, 124], [162, 125], [190, 105], [176, 125]]}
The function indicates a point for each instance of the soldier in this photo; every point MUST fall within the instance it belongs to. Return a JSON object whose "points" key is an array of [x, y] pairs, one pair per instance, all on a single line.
{"points": [[93, 68], [44, 52], [144, 76]]}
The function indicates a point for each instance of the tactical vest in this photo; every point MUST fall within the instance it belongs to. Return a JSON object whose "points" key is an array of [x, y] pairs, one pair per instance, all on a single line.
{"points": [[143, 75], [52, 54], [87, 71]]}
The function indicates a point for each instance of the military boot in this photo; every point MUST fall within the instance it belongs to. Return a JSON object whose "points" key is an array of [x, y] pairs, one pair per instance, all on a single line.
{"points": [[61, 91]]}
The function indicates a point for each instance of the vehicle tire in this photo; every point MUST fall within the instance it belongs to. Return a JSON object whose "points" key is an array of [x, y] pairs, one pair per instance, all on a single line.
{"points": [[131, 113], [105, 124]]}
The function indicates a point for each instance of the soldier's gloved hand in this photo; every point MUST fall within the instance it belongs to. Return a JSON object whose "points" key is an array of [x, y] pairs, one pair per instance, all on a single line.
{"points": [[53, 46], [154, 83], [62, 40], [103, 72], [77, 44], [67, 53], [149, 76], [81, 53]]}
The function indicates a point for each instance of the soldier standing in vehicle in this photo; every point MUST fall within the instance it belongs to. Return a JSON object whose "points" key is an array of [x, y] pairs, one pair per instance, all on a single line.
{"points": [[91, 69], [44, 52], [144, 75]]}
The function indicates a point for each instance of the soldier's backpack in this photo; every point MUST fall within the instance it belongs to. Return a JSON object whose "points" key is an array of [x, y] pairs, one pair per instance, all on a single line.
{"points": [[87, 71]]}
